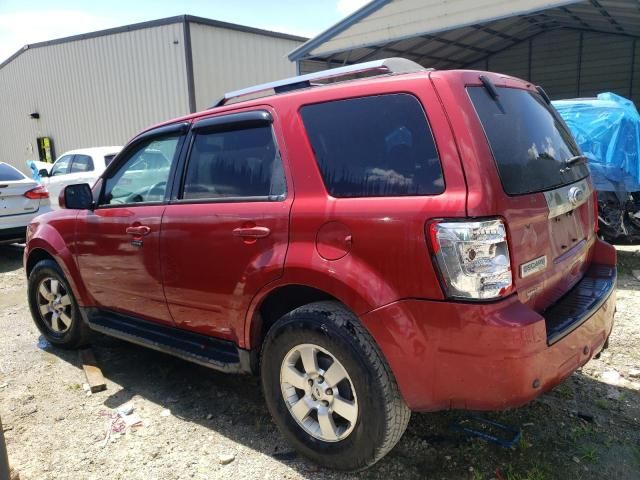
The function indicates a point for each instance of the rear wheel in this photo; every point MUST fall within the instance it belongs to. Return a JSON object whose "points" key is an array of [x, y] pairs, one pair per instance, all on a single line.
{"points": [[53, 306], [329, 389]]}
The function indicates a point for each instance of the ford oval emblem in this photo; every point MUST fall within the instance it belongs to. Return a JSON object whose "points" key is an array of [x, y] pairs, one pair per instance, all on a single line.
{"points": [[576, 195]]}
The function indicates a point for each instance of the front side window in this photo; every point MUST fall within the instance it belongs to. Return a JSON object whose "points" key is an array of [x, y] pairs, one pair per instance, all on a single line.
{"points": [[374, 146], [82, 163], [61, 167], [144, 175], [235, 163], [529, 141]]}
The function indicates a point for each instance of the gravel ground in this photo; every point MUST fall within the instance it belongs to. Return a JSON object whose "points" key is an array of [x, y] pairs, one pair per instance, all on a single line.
{"points": [[197, 423]]}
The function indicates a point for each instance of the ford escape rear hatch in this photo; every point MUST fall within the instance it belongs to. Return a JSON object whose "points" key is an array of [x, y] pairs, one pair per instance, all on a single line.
{"points": [[547, 202]]}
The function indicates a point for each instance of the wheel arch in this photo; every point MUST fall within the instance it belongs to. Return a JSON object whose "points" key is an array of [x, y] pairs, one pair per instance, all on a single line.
{"points": [[52, 246], [277, 302], [299, 287]]}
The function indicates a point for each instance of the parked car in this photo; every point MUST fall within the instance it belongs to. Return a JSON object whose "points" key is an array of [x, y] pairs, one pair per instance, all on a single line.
{"points": [[607, 129], [21, 200], [76, 166], [421, 240]]}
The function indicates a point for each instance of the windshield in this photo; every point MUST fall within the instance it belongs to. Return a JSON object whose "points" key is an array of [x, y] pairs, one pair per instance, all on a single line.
{"points": [[528, 139]]}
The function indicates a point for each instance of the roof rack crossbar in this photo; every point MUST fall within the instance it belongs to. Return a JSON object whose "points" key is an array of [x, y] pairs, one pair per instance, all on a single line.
{"points": [[394, 65]]}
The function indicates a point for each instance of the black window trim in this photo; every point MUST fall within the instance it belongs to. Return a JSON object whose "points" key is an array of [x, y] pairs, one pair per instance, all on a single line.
{"points": [[377, 94], [224, 123], [176, 129], [234, 121]]}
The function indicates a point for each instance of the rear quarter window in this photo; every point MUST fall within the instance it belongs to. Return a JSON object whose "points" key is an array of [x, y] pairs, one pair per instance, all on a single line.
{"points": [[374, 146], [529, 141]]}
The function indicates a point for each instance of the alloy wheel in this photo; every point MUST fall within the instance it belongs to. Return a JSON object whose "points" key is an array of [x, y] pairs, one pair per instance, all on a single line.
{"points": [[319, 392], [54, 305]]}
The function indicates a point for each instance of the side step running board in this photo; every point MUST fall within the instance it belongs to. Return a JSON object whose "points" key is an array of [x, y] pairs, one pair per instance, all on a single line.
{"points": [[210, 352]]}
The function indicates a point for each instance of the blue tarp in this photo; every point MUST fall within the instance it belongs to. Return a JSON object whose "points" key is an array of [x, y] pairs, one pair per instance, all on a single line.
{"points": [[607, 129]]}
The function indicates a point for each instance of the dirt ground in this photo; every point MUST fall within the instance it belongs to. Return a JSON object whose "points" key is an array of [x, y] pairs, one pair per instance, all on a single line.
{"points": [[196, 420]]}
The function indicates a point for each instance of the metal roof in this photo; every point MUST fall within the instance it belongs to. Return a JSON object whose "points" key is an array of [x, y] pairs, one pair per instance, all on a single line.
{"points": [[457, 33], [151, 24]]}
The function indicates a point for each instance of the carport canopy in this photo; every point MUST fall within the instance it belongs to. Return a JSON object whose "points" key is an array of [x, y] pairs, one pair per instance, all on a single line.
{"points": [[459, 33]]}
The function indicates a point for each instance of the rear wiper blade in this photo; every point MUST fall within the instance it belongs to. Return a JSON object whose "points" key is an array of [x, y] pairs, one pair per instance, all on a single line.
{"points": [[570, 162], [490, 87]]}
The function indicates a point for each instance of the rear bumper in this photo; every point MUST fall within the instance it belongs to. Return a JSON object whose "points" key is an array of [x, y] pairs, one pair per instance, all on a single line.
{"points": [[13, 228], [11, 235], [494, 356]]}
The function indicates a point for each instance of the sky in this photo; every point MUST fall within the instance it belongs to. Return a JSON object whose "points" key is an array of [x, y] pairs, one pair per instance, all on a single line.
{"points": [[30, 21]]}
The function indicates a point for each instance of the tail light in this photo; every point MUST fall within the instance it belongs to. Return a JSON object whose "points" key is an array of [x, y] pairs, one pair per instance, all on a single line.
{"points": [[37, 193], [473, 258]]}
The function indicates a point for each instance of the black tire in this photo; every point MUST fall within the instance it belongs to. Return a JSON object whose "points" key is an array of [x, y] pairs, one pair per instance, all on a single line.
{"points": [[77, 333], [330, 326]]}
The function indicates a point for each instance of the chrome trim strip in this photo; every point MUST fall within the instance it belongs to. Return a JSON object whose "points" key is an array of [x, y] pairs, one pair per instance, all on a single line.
{"points": [[569, 197]]}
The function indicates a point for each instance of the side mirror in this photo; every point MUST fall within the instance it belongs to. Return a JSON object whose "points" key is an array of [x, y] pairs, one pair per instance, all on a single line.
{"points": [[43, 172], [76, 197]]}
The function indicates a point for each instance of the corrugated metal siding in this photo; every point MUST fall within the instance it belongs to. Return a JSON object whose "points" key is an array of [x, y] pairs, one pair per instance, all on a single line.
{"points": [[606, 60], [635, 80], [605, 63], [554, 63], [310, 66], [225, 60], [513, 61], [91, 92]]}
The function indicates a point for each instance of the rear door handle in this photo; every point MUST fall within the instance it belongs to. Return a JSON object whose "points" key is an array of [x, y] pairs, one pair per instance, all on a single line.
{"points": [[139, 231], [251, 232]]}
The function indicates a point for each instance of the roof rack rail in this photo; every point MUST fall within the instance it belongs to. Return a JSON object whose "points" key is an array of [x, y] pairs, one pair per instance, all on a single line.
{"points": [[394, 65]]}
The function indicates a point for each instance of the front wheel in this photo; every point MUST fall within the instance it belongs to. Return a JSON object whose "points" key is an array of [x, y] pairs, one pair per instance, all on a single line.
{"points": [[329, 389], [53, 306]]}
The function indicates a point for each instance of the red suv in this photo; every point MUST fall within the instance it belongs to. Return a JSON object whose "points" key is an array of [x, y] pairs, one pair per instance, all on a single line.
{"points": [[420, 240]]}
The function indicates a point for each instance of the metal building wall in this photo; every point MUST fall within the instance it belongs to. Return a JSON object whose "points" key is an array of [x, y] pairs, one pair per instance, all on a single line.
{"points": [[570, 63], [225, 60], [91, 92]]}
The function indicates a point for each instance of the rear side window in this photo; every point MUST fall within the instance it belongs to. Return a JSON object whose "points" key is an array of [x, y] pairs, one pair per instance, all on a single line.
{"points": [[529, 141], [374, 146], [82, 163], [9, 174], [108, 159], [234, 163]]}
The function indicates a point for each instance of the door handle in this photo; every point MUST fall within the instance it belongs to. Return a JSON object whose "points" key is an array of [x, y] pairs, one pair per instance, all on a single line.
{"points": [[251, 232], [139, 231]]}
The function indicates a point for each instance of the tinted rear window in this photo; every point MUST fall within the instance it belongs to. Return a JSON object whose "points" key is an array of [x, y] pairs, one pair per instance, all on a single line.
{"points": [[374, 146], [9, 174], [529, 141]]}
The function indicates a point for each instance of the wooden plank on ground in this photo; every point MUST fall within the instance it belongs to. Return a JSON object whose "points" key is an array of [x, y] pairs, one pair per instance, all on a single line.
{"points": [[91, 370]]}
